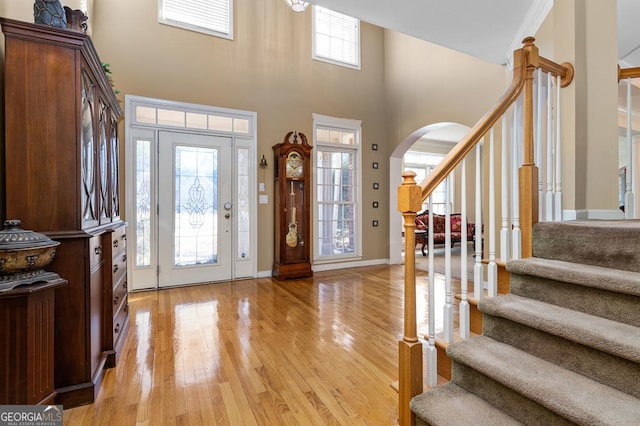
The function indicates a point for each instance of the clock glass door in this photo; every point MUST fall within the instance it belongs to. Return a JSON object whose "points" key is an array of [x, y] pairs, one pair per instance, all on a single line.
{"points": [[195, 209]]}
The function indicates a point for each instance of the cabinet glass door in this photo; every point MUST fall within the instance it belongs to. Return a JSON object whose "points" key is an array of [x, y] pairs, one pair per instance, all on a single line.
{"points": [[114, 170], [87, 142], [103, 172]]}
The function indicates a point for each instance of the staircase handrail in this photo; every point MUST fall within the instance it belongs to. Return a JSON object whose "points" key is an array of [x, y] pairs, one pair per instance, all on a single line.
{"points": [[411, 196], [628, 73], [523, 59]]}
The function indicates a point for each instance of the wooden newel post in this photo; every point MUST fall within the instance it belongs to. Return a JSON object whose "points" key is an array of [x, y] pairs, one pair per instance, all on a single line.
{"points": [[409, 348], [528, 173]]}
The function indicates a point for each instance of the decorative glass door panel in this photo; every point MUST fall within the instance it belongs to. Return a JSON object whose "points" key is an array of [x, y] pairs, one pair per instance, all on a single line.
{"points": [[195, 209], [103, 122], [89, 209], [114, 170]]}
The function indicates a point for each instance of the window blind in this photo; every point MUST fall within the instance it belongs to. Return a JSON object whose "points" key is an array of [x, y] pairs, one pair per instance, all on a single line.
{"points": [[336, 37], [211, 16]]}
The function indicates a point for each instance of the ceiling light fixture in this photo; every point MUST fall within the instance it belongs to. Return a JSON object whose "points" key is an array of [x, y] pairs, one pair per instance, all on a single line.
{"points": [[297, 5]]}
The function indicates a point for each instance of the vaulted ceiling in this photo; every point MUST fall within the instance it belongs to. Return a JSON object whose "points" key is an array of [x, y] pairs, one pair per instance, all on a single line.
{"points": [[487, 29]]}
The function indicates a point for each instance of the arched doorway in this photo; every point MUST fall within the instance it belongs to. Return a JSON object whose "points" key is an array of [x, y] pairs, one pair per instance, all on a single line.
{"points": [[438, 137]]}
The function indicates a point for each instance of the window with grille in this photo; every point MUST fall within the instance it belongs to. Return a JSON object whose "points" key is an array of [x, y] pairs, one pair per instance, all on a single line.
{"points": [[336, 38], [337, 189], [422, 164], [213, 17]]}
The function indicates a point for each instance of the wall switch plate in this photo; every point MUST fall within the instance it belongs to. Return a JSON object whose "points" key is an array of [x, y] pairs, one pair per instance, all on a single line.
{"points": [[261, 187], [264, 199]]}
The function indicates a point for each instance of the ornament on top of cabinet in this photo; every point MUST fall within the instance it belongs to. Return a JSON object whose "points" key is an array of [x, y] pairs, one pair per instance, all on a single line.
{"points": [[76, 20], [49, 12]]}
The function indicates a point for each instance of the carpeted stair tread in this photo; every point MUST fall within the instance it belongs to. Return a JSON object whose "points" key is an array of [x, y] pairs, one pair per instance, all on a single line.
{"points": [[571, 395], [616, 280], [608, 243], [609, 336], [449, 404]]}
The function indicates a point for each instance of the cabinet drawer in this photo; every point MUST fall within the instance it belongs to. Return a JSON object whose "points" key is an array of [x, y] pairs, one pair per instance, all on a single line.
{"points": [[119, 268], [96, 251], [119, 294], [119, 239], [120, 319]]}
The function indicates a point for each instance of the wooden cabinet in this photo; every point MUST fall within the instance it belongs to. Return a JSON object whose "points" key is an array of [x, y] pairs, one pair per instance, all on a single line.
{"points": [[62, 179], [26, 353], [116, 296]]}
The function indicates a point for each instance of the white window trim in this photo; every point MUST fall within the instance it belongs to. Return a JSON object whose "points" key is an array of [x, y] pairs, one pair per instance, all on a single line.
{"points": [[350, 125], [329, 60], [242, 267], [197, 28]]}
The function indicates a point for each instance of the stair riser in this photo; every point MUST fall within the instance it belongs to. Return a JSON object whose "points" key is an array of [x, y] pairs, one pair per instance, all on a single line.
{"points": [[605, 368], [616, 248], [584, 299], [444, 363], [513, 403]]}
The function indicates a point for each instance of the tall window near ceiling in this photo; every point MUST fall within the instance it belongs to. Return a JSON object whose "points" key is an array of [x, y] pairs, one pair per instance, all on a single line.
{"points": [[336, 38], [213, 17], [337, 159]]}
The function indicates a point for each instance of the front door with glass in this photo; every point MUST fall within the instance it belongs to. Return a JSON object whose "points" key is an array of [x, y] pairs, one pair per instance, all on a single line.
{"points": [[195, 208]]}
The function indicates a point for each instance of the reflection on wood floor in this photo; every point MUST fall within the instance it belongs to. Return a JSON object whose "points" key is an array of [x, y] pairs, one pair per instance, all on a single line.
{"points": [[309, 351]]}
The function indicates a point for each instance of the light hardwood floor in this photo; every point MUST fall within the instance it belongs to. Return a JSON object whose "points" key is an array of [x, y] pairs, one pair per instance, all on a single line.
{"points": [[318, 351]]}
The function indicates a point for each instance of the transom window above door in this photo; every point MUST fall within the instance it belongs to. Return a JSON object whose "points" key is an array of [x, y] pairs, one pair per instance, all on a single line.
{"points": [[191, 119]]}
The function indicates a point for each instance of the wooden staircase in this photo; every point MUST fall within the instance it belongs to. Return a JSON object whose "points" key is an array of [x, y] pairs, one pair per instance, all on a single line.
{"points": [[475, 319], [563, 347], [410, 197]]}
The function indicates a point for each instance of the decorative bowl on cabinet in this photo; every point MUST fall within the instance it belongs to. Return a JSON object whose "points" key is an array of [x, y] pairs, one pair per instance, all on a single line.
{"points": [[23, 255]]}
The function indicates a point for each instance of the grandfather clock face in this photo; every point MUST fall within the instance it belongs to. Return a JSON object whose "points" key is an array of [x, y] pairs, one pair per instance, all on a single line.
{"points": [[294, 167]]}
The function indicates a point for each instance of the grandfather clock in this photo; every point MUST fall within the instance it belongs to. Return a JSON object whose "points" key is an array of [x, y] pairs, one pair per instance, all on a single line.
{"points": [[292, 203]]}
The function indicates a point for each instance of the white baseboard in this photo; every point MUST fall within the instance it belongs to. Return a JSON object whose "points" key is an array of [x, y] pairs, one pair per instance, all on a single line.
{"points": [[334, 266], [343, 265], [592, 214]]}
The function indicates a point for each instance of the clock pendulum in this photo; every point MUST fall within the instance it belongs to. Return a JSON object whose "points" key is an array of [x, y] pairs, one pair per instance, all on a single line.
{"points": [[292, 235]]}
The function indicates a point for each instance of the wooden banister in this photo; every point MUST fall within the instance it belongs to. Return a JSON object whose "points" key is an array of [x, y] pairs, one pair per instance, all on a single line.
{"points": [[628, 73], [409, 348], [477, 132], [528, 172], [411, 196], [564, 70], [521, 59]]}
